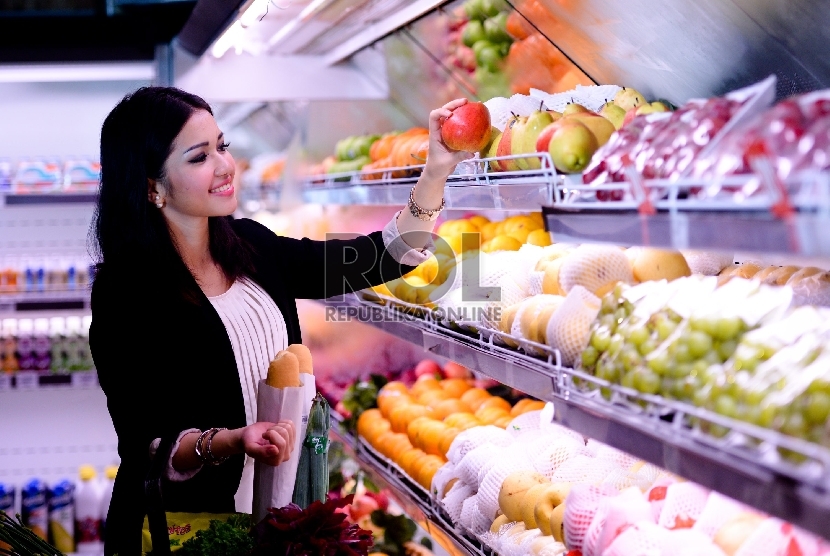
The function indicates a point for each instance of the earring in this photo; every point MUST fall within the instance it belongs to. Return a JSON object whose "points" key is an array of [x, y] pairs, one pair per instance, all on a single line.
{"points": [[159, 202]]}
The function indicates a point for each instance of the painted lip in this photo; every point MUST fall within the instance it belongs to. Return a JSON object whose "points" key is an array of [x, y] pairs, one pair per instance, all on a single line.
{"points": [[226, 193]]}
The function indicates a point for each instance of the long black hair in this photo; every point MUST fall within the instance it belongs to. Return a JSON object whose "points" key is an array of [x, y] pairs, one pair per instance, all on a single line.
{"points": [[129, 231]]}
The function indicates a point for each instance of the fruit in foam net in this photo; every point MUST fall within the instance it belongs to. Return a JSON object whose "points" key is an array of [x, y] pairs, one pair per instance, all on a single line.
{"points": [[595, 267], [528, 505], [539, 237], [498, 523], [557, 523], [735, 531], [513, 489], [571, 146], [467, 128], [553, 496], [628, 99], [657, 264]]}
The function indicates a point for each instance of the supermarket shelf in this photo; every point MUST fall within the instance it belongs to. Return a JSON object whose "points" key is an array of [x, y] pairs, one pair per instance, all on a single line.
{"points": [[32, 380], [57, 198], [472, 187], [743, 464], [416, 502], [682, 221], [76, 300]]}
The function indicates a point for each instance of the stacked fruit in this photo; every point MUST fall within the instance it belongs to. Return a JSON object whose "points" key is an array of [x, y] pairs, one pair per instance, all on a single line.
{"points": [[398, 150], [352, 153], [485, 44], [415, 426]]}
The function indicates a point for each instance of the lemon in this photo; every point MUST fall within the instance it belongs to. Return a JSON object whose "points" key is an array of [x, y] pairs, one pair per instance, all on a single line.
{"points": [[446, 270], [539, 237], [538, 218], [407, 290], [465, 227], [499, 228], [428, 269], [505, 243], [479, 220], [488, 231], [520, 234], [521, 223], [446, 228], [486, 246]]}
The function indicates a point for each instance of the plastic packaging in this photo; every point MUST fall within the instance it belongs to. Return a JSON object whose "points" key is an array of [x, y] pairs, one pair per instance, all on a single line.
{"points": [[62, 516], [34, 508], [88, 512]]}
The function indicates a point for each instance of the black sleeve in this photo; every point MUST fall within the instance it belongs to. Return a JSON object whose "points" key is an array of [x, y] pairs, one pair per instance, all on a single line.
{"points": [[321, 269]]}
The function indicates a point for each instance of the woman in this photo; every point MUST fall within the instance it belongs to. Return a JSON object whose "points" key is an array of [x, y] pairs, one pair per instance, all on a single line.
{"points": [[189, 306]]}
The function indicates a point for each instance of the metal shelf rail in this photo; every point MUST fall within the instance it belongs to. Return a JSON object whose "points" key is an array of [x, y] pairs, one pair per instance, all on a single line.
{"points": [[744, 463]]}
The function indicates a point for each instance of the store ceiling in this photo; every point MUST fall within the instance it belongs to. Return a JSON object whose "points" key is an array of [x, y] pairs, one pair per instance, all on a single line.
{"points": [[88, 30]]}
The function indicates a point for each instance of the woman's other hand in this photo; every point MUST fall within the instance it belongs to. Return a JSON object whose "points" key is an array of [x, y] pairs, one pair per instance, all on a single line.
{"points": [[442, 160], [269, 443]]}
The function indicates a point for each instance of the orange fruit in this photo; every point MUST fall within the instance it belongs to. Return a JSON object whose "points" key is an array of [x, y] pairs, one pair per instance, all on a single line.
{"points": [[394, 386], [495, 401], [381, 439], [503, 421], [390, 400], [408, 458], [431, 435], [397, 447], [427, 471], [516, 410], [433, 397], [446, 408], [490, 414], [424, 383], [474, 396], [534, 405], [401, 416], [447, 438], [414, 429], [366, 419], [377, 428], [462, 421], [455, 387]]}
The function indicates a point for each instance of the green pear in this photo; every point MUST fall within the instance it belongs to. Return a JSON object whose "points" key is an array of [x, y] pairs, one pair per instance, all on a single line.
{"points": [[646, 109], [628, 99], [571, 146], [599, 126], [659, 106], [524, 138], [613, 114], [574, 108]]}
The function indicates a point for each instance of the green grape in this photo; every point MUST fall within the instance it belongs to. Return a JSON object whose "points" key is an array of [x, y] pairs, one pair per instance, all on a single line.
{"points": [[609, 322], [700, 398], [726, 349], [680, 370], [628, 380], [628, 306], [749, 413], [589, 357], [705, 324], [638, 335], [666, 386], [725, 405], [818, 408], [630, 358], [619, 289], [647, 347], [819, 385], [754, 397], [617, 342], [699, 343], [620, 314], [605, 370], [605, 393], [659, 363], [665, 327], [685, 388], [712, 358], [795, 425], [728, 328], [746, 363], [601, 339], [609, 305], [646, 381], [682, 353]]}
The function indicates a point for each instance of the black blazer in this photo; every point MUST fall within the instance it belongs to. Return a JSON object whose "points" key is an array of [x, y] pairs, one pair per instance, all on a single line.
{"points": [[166, 364]]}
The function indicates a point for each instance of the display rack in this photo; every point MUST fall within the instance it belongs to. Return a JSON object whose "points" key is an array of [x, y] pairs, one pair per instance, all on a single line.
{"points": [[23, 302], [743, 464], [472, 187], [416, 502]]}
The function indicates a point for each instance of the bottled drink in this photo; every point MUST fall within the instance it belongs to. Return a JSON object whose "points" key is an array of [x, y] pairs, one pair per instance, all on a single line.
{"points": [[88, 512], [62, 516], [33, 507]]}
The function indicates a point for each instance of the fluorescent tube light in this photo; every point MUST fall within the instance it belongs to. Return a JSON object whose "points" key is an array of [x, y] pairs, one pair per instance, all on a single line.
{"points": [[47, 73]]}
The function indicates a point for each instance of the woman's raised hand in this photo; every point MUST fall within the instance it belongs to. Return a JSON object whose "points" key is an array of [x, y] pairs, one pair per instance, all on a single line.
{"points": [[442, 160], [269, 443]]}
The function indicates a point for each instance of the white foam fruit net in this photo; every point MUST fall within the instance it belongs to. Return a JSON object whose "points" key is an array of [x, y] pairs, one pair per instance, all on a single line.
{"points": [[471, 463], [627, 509], [472, 438], [590, 544], [594, 266], [555, 430], [580, 507], [606, 452], [443, 476], [684, 503], [555, 453], [687, 542], [591, 97], [718, 510], [481, 523], [518, 545], [531, 444], [708, 264], [644, 539], [455, 498], [535, 279], [526, 422], [770, 537], [488, 490], [570, 326], [468, 511]]}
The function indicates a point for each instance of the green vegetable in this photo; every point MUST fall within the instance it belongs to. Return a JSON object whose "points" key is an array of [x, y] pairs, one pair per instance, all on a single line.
{"points": [[22, 540], [301, 485], [359, 397], [397, 531], [230, 538], [317, 440]]}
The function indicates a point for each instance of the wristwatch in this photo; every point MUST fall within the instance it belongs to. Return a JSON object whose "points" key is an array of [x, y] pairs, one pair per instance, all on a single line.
{"points": [[426, 215]]}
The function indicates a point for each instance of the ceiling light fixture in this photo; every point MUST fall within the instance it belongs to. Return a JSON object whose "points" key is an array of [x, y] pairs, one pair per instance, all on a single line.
{"points": [[50, 73]]}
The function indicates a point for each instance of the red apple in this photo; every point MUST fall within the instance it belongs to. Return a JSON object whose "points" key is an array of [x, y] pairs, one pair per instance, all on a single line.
{"points": [[454, 370], [363, 505], [543, 140], [505, 148], [427, 367], [381, 498], [467, 128]]}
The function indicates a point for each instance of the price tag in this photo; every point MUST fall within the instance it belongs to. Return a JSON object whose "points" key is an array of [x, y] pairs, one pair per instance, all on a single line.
{"points": [[5, 381], [84, 379], [27, 380]]}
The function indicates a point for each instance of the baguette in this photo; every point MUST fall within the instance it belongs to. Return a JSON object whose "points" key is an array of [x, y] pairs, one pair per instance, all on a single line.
{"points": [[303, 356], [781, 275], [762, 274], [805, 272], [284, 371]]}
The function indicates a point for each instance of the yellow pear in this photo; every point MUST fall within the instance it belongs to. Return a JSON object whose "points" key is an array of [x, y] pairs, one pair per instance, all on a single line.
{"points": [[599, 126], [571, 146]]}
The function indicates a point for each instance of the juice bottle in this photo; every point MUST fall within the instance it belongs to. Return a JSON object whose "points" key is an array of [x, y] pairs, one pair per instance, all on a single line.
{"points": [[57, 341], [88, 512], [25, 345], [62, 516], [42, 346], [6, 505], [33, 507], [8, 347], [110, 472]]}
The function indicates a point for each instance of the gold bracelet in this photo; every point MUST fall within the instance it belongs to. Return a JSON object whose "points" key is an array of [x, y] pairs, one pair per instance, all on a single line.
{"points": [[425, 215]]}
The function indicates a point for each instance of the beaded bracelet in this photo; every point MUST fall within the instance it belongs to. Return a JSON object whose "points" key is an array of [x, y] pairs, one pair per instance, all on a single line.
{"points": [[210, 458]]}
